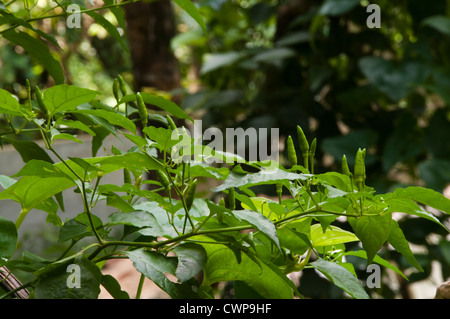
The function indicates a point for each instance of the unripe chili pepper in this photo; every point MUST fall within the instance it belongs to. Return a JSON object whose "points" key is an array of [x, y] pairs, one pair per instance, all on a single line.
{"points": [[360, 170], [142, 109], [172, 124], [163, 179], [122, 85], [304, 145], [279, 191], [231, 199], [190, 194], [292, 155], [115, 89], [137, 182], [126, 176], [344, 166], [312, 153], [40, 100]]}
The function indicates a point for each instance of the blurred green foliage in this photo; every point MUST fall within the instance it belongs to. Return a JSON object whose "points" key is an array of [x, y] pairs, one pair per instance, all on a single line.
{"points": [[282, 63], [320, 65]]}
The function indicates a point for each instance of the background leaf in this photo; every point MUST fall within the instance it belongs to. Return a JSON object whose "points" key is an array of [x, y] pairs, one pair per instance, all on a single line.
{"points": [[8, 239], [38, 50], [341, 277]]}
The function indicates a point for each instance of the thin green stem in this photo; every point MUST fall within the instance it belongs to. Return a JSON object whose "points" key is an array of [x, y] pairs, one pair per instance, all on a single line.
{"points": [[140, 285]]}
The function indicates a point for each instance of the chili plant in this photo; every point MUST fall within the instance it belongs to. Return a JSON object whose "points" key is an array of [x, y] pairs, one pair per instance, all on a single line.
{"points": [[229, 235]]}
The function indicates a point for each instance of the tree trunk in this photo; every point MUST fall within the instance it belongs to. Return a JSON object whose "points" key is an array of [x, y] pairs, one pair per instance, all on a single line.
{"points": [[150, 28]]}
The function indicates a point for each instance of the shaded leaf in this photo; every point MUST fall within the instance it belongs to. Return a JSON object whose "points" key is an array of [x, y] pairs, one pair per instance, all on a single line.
{"points": [[373, 231], [341, 277], [261, 222], [113, 287], [191, 258], [155, 266], [398, 241], [8, 239], [222, 265], [38, 50]]}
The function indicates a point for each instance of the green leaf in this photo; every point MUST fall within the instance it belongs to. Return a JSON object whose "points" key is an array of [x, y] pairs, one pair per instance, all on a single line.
{"points": [[79, 227], [154, 266], [191, 259], [76, 125], [29, 150], [159, 102], [8, 239], [262, 177], [161, 136], [396, 80], [63, 98], [340, 181], [373, 231], [39, 168], [114, 200], [65, 136], [54, 285], [138, 219], [112, 30], [11, 19], [398, 241], [192, 10], [261, 222], [110, 116], [222, 265], [408, 206], [9, 104], [424, 196], [293, 240], [6, 181], [337, 7], [377, 259], [30, 191], [38, 50], [333, 236], [113, 287], [439, 22], [215, 61], [341, 277]]}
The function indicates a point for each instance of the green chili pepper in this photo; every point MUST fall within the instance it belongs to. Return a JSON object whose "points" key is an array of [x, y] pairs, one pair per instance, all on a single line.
{"points": [[115, 89], [312, 153], [163, 179], [137, 182], [142, 109], [344, 166], [190, 194], [360, 170], [40, 101], [171, 122], [126, 176], [231, 199], [304, 145], [122, 85], [292, 155], [279, 191]]}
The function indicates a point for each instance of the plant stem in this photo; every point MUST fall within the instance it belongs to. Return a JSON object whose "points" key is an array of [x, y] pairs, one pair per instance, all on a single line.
{"points": [[140, 285], [23, 213]]}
